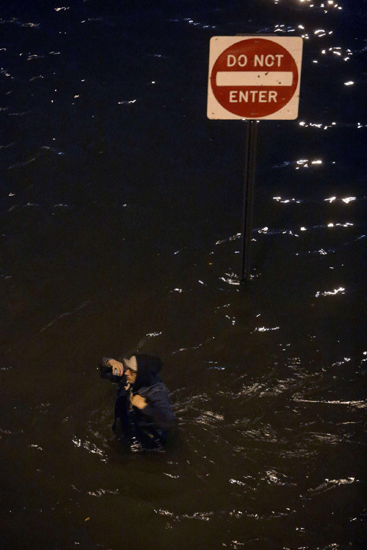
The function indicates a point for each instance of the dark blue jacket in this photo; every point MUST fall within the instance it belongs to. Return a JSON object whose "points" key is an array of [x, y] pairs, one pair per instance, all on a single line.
{"points": [[158, 411]]}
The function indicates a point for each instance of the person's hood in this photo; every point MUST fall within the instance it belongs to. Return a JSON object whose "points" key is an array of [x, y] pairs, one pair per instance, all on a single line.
{"points": [[148, 368]]}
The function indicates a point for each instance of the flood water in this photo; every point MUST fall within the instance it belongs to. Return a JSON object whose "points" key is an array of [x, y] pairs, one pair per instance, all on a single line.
{"points": [[121, 209]]}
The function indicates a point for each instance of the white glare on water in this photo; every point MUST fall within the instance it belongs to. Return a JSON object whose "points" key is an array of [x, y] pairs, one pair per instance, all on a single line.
{"points": [[340, 290]]}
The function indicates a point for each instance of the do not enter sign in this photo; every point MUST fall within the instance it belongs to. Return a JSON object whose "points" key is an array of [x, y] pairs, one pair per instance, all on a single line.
{"points": [[254, 77]]}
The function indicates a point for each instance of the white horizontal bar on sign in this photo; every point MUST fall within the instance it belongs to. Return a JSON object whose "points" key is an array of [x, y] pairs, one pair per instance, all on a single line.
{"points": [[252, 78]]}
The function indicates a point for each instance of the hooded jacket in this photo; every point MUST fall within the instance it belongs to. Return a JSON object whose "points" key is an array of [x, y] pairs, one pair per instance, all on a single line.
{"points": [[158, 410], [148, 384]]}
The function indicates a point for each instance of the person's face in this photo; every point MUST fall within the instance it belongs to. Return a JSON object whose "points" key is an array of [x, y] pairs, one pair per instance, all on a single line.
{"points": [[130, 375]]}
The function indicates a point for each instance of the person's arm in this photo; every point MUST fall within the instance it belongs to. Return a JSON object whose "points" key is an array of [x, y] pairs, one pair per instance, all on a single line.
{"points": [[139, 402], [157, 408], [117, 367]]}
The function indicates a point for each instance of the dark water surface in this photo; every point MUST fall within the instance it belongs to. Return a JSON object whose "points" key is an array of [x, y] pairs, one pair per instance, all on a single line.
{"points": [[120, 212]]}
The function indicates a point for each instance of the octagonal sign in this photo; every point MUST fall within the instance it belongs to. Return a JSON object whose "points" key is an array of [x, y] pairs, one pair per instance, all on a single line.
{"points": [[254, 77]]}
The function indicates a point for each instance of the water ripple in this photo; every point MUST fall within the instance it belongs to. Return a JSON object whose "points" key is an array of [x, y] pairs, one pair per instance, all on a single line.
{"points": [[90, 447], [201, 516], [332, 484]]}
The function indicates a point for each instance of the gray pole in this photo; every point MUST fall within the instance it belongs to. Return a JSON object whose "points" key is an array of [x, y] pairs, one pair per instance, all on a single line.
{"points": [[249, 176]]}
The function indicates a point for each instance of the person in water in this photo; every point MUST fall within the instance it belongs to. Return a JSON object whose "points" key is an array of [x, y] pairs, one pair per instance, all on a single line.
{"points": [[142, 406]]}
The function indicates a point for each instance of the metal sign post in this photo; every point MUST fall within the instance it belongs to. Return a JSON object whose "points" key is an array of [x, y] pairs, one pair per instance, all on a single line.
{"points": [[253, 78], [248, 198]]}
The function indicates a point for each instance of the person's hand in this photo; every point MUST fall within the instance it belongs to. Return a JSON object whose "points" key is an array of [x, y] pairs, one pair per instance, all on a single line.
{"points": [[117, 367], [138, 401]]}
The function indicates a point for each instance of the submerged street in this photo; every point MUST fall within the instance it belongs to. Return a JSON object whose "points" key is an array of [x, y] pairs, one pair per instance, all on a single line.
{"points": [[121, 216]]}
